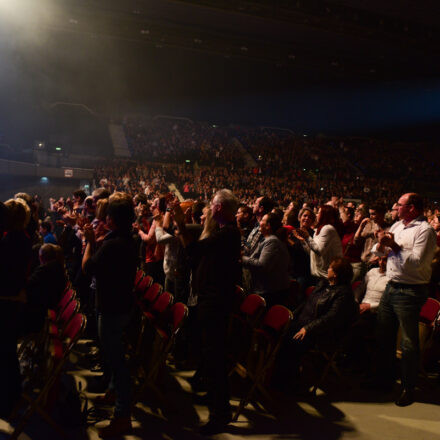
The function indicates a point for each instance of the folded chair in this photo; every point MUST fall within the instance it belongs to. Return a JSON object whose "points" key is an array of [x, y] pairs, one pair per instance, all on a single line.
{"points": [[142, 286], [165, 338], [35, 396], [265, 345], [241, 327], [153, 316]]}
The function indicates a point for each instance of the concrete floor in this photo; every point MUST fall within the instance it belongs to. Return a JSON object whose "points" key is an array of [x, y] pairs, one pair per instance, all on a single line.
{"points": [[344, 411]]}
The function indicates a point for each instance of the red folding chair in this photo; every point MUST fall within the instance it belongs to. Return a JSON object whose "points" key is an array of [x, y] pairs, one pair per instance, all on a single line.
{"points": [[241, 329], [139, 275], [68, 296], [35, 397], [142, 286], [265, 345], [152, 316], [165, 338], [57, 329], [151, 296]]}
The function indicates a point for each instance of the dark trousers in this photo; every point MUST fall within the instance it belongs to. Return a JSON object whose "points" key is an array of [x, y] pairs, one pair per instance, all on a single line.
{"points": [[214, 333], [400, 305], [110, 328]]}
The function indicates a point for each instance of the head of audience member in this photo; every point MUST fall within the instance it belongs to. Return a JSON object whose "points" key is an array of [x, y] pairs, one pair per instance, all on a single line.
{"points": [[197, 211], [120, 214], [262, 206], [340, 272], [224, 206], [24, 196], [101, 209], [383, 264], [209, 224], [18, 215], [291, 214], [78, 197], [377, 214], [50, 252], [359, 215], [278, 212], [394, 213], [140, 198], [351, 205], [349, 212], [306, 218], [269, 224], [45, 228], [244, 215], [410, 206], [100, 193], [327, 215]]}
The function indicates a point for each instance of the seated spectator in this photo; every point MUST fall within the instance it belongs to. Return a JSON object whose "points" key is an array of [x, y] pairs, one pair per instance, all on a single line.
{"points": [[323, 319], [44, 288], [46, 233], [269, 263]]}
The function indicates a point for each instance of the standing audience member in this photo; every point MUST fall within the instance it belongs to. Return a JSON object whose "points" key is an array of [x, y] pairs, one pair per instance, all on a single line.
{"points": [[325, 244], [215, 278], [410, 245], [15, 258], [114, 267]]}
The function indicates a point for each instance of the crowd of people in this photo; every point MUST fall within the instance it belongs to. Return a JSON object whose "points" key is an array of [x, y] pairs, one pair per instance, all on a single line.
{"points": [[305, 255], [311, 224]]}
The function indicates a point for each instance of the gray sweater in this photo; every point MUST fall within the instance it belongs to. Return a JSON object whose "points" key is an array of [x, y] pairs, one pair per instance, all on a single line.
{"points": [[269, 265]]}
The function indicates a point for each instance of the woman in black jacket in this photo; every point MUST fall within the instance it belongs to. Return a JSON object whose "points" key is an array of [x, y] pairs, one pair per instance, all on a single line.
{"points": [[321, 319]]}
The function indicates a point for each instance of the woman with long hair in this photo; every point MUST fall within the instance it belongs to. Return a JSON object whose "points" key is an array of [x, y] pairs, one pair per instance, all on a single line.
{"points": [[325, 244]]}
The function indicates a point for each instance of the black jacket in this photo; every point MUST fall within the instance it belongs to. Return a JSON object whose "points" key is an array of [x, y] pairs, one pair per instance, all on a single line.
{"points": [[328, 311]]}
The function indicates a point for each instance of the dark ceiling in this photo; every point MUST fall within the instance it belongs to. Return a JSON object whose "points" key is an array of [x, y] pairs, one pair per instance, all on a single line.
{"points": [[388, 39]]}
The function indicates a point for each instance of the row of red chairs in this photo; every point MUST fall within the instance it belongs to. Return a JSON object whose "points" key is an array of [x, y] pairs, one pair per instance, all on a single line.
{"points": [[255, 337], [159, 320], [51, 349]]}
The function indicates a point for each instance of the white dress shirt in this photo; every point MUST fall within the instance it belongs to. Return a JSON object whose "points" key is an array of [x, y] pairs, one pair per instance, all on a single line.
{"points": [[412, 263]]}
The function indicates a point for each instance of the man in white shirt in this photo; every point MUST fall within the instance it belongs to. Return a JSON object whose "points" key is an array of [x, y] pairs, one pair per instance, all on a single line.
{"points": [[410, 245]]}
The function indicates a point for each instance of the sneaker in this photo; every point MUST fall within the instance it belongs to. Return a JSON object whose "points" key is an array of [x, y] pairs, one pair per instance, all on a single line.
{"points": [[117, 427]]}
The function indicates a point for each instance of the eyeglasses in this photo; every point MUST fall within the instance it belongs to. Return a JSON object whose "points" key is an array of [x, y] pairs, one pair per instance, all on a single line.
{"points": [[403, 204]]}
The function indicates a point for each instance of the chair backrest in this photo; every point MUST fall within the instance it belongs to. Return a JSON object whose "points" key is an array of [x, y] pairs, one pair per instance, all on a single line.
{"points": [[179, 313], [429, 310], [67, 297], [68, 312], [139, 275], [309, 290], [162, 303], [144, 284], [277, 318], [152, 292], [252, 304], [75, 328]]}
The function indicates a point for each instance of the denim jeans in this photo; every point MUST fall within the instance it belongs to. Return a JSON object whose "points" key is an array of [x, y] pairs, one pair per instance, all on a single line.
{"points": [[400, 305], [110, 328]]}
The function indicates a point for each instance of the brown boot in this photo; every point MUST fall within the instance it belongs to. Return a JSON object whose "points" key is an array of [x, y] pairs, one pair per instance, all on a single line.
{"points": [[118, 426]]}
